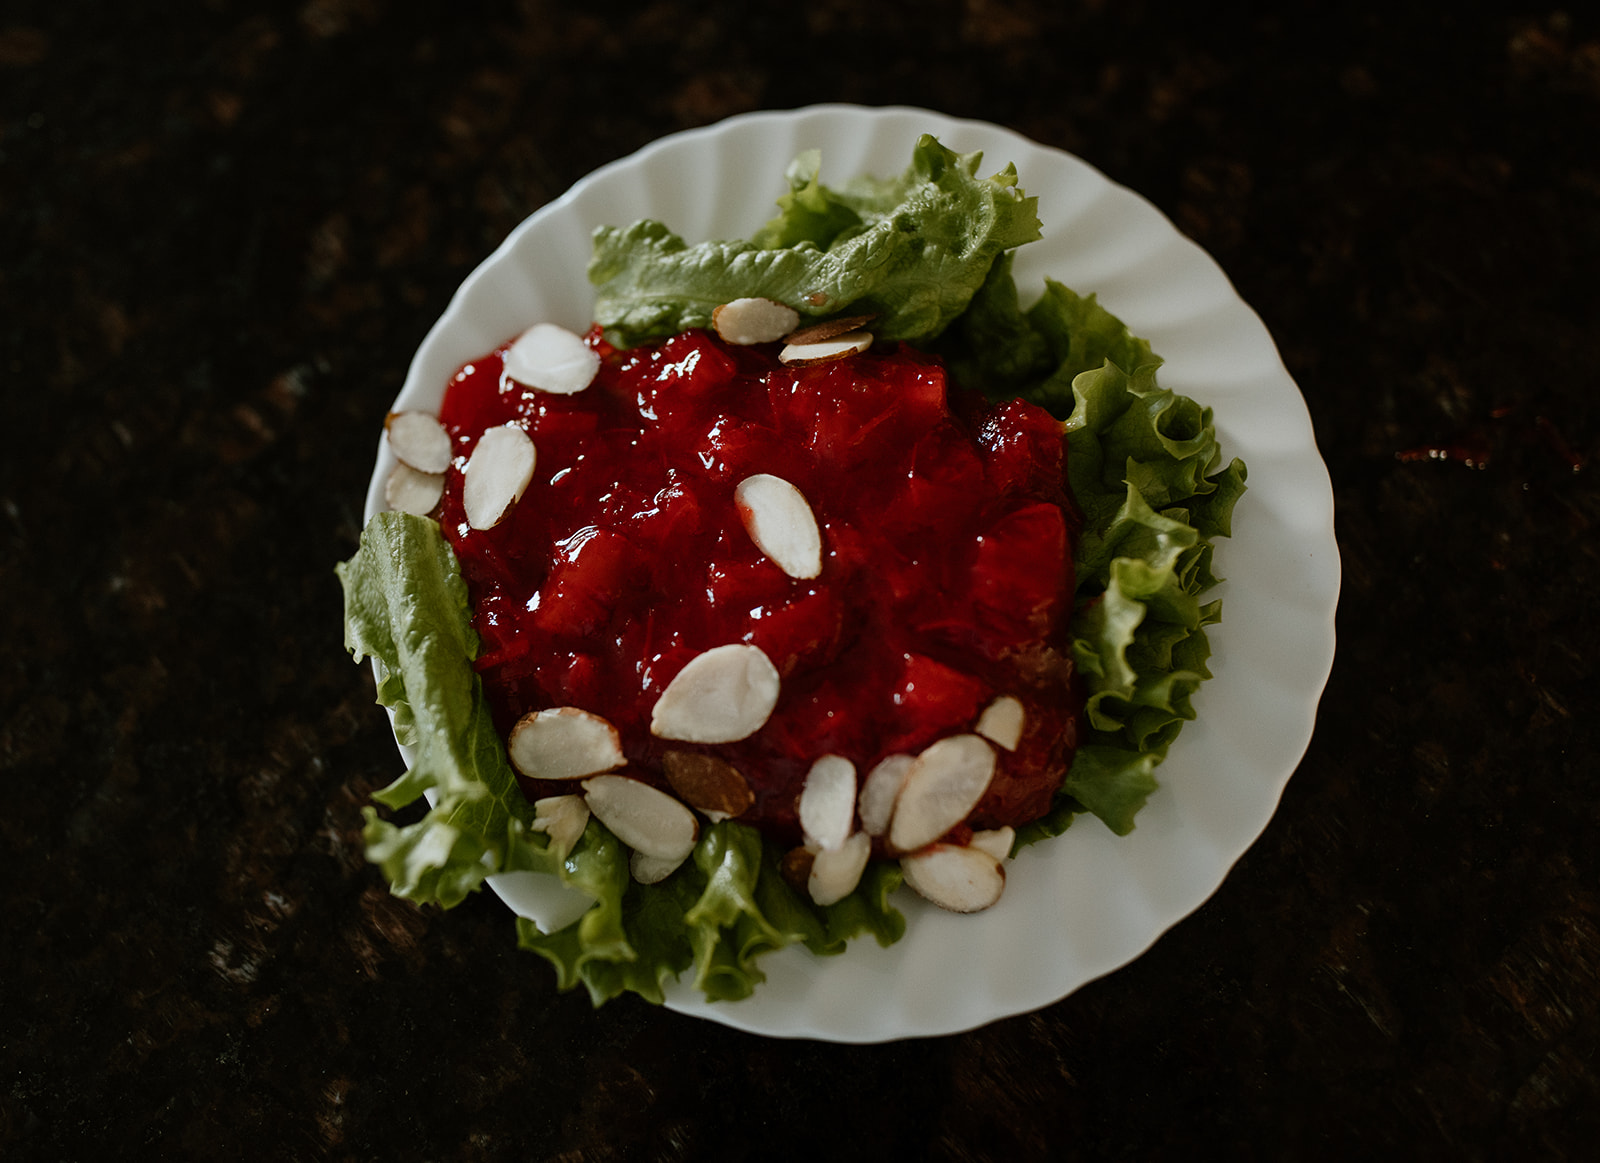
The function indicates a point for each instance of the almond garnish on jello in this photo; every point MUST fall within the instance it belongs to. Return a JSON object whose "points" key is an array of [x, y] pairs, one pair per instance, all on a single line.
{"points": [[825, 350], [880, 790], [1001, 722], [552, 359], [419, 440], [564, 743], [827, 802], [408, 491], [827, 329], [997, 842], [961, 879], [721, 696], [644, 818], [780, 522], [835, 872], [710, 785], [749, 321], [497, 472], [562, 818], [941, 789], [647, 869]]}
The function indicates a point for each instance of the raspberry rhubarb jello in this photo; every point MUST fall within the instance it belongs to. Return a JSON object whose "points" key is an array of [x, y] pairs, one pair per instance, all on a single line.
{"points": [[753, 604], [805, 583]]}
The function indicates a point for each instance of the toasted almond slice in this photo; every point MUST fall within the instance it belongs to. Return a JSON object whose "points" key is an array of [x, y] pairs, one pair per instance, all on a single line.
{"points": [[496, 474], [835, 872], [780, 522], [723, 695], [963, 880], [796, 867], [747, 321], [826, 350], [707, 783], [827, 804], [943, 785], [644, 818], [827, 329], [878, 792], [652, 869], [410, 491], [552, 359], [419, 440], [563, 819], [997, 842], [1001, 722], [564, 743]]}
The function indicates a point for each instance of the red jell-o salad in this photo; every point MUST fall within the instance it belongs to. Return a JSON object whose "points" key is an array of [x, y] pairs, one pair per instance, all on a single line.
{"points": [[945, 575], [818, 566]]}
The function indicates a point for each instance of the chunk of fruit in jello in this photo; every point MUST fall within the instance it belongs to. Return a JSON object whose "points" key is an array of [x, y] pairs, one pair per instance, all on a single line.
{"points": [[804, 631], [1022, 449], [930, 700], [819, 717], [675, 379], [1019, 573], [593, 571], [847, 412], [739, 578], [668, 518], [942, 487]]}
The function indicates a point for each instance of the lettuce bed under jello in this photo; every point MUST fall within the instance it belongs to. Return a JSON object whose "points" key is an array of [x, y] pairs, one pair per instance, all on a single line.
{"points": [[926, 252]]}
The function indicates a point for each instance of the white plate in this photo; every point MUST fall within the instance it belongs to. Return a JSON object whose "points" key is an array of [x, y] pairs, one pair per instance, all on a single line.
{"points": [[1079, 906]]}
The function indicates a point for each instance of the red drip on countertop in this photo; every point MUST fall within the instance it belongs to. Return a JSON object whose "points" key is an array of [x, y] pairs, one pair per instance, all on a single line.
{"points": [[947, 573]]}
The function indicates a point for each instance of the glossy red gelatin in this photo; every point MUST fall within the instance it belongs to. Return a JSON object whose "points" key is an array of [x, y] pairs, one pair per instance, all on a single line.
{"points": [[947, 572]]}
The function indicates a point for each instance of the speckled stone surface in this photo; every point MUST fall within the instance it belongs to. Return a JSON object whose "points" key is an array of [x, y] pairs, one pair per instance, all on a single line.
{"points": [[225, 227]]}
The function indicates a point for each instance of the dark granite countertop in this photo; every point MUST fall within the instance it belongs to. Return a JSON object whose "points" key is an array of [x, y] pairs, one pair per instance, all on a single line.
{"points": [[224, 229]]}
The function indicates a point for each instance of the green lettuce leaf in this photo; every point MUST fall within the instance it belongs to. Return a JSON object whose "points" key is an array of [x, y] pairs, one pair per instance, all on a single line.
{"points": [[912, 251]]}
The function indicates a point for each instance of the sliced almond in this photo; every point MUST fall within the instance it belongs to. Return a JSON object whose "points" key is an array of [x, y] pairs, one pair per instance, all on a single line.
{"points": [[709, 784], [652, 869], [1001, 722], [826, 350], [552, 359], [796, 867], [564, 743], [410, 491], [963, 880], [879, 790], [563, 819], [644, 818], [835, 872], [747, 321], [419, 440], [827, 804], [780, 522], [723, 695], [997, 842], [943, 786], [496, 475], [827, 329]]}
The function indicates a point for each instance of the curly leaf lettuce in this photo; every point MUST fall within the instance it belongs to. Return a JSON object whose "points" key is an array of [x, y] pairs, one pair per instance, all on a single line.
{"points": [[1146, 470], [912, 251]]}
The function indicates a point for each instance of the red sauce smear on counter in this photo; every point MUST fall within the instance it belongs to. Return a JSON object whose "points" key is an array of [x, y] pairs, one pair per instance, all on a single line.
{"points": [[947, 573]]}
